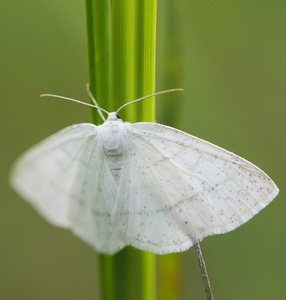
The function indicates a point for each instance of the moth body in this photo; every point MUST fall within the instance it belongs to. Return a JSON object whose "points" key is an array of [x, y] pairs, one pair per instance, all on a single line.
{"points": [[146, 185]]}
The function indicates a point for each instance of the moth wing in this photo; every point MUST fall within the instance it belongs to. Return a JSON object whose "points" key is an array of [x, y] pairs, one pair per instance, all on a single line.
{"points": [[177, 189], [67, 179]]}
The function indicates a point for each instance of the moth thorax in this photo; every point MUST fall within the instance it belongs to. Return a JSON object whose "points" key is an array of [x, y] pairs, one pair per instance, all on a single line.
{"points": [[114, 153]]}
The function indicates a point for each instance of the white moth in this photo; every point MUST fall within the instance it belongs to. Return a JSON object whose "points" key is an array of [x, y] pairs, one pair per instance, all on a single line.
{"points": [[147, 185]]}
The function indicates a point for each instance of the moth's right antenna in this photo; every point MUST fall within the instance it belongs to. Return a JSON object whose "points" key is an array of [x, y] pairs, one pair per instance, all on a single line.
{"points": [[148, 96], [94, 101]]}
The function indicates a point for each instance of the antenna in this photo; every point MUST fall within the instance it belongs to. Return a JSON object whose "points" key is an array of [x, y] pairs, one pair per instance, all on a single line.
{"points": [[77, 101], [94, 101], [158, 93], [100, 110]]}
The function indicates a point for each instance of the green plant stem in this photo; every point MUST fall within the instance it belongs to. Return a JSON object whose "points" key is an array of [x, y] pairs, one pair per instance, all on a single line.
{"points": [[107, 284], [145, 57], [204, 273], [148, 276], [169, 271], [98, 47], [121, 54], [122, 91]]}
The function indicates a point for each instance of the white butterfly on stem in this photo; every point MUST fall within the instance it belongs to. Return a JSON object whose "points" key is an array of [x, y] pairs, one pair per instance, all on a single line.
{"points": [[147, 185]]}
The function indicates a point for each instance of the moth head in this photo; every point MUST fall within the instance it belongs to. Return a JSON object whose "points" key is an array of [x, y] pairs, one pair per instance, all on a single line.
{"points": [[114, 116]]}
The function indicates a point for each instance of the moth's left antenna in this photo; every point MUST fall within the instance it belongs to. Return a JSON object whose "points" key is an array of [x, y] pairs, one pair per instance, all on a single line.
{"points": [[100, 110]]}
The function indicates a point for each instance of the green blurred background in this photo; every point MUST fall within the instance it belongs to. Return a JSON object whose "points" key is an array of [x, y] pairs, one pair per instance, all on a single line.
{"points": [[230, 56]]}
